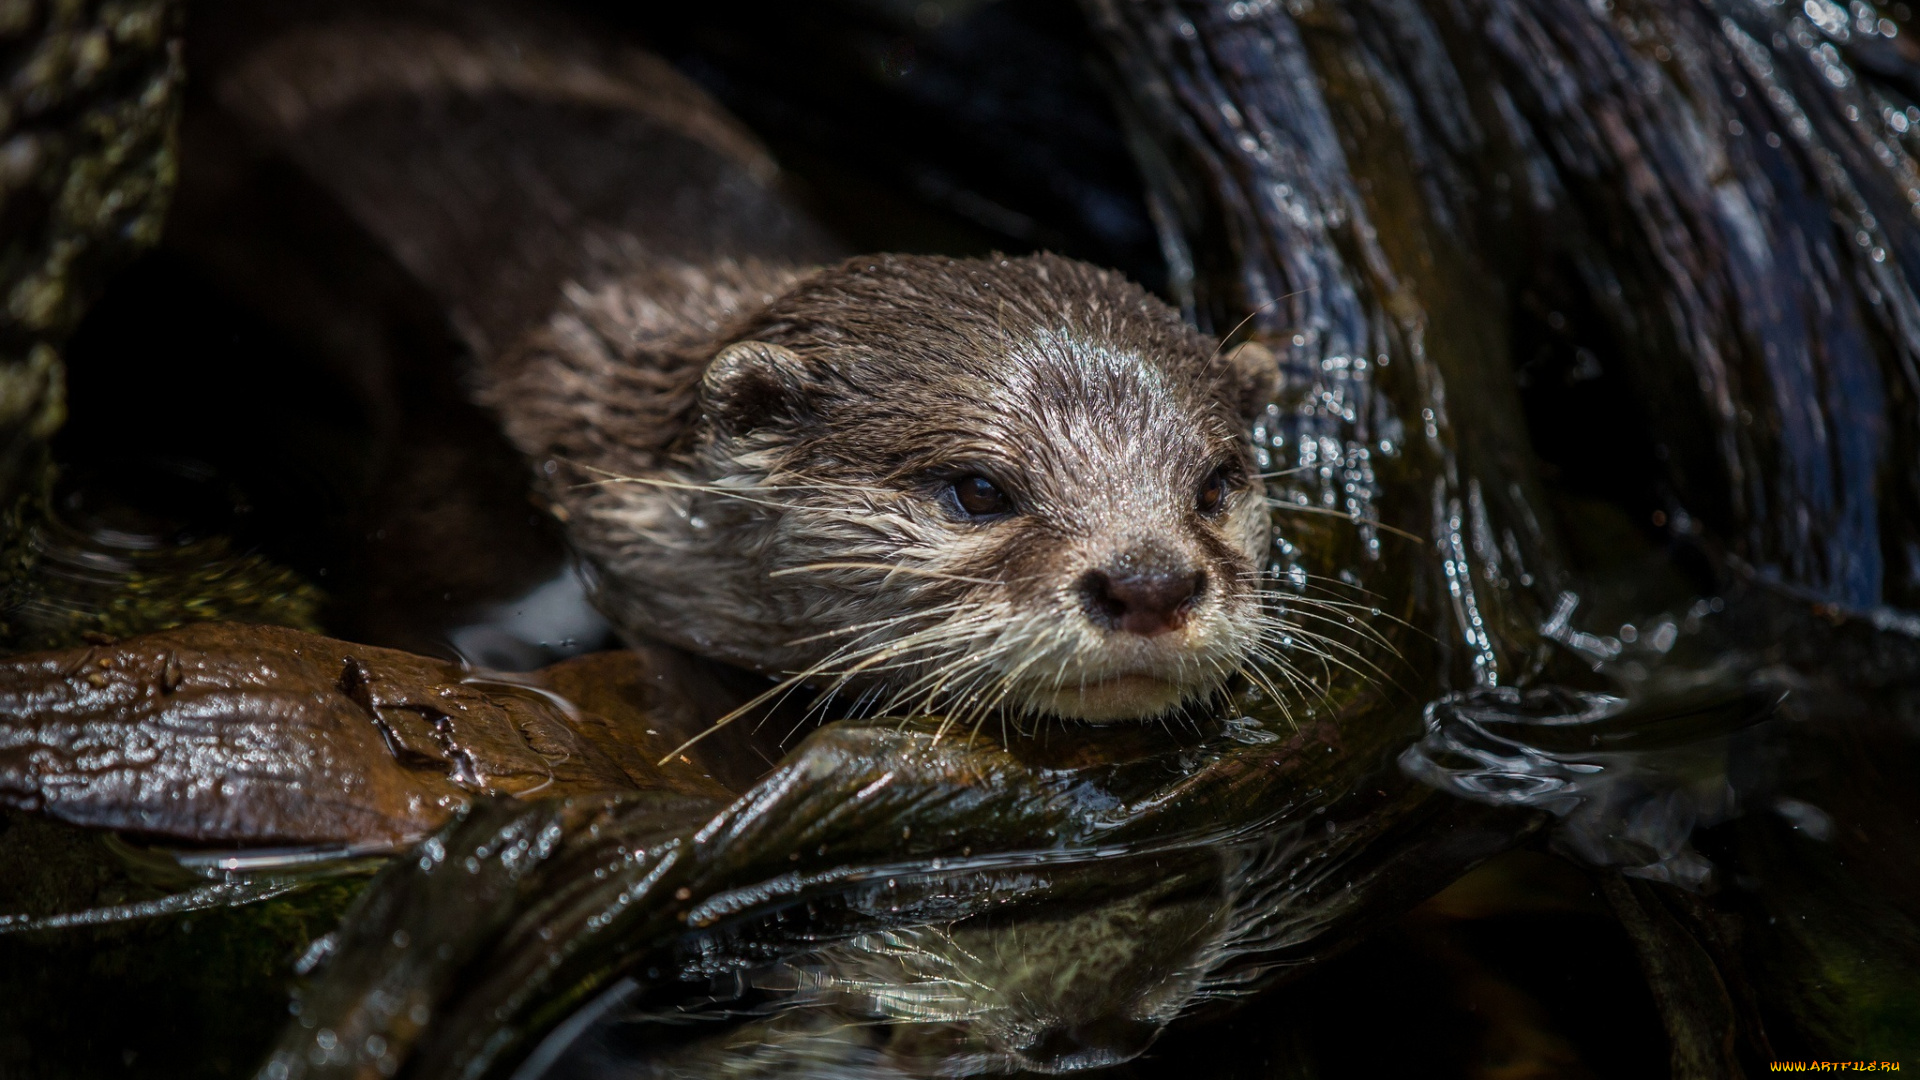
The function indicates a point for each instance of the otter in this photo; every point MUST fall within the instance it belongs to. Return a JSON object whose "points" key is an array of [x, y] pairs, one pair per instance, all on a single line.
{"points": [[940, 484], [964, 485]]}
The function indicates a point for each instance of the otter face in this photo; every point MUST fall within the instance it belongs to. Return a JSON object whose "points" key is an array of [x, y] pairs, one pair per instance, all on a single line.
{"points": [[968, 486], [1104, 526]]}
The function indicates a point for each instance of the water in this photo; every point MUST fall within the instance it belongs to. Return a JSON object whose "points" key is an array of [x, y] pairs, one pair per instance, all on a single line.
{"points": [[1031, 914], [1681, 226], [1593, 464]]}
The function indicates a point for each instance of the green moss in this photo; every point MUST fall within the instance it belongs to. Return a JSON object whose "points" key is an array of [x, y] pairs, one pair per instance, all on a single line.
{"points": [[60, 586], [89, 107], [1864, 992]]}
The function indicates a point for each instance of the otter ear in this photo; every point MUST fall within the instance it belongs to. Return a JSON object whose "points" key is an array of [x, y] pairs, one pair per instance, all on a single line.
{"points": [[751, 384], [1254, 377]]}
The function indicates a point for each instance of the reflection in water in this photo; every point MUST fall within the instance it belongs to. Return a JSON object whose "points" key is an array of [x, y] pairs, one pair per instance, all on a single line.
{"points": [[147, 549], [1047, 918], [1629, 781], [554, 620]]}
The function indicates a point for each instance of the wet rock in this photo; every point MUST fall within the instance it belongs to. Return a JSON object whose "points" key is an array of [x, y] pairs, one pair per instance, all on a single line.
{"points": [[262, 736]]}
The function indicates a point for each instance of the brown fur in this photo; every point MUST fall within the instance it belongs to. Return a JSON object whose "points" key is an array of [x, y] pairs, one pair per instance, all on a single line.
{"points": [[715, 436]]}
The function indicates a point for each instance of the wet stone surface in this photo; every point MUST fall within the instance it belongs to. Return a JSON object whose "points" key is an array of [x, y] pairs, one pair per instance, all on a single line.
{"points": [[235, 735]]}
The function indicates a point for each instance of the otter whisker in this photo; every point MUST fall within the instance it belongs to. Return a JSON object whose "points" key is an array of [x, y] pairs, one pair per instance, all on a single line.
{"points": [[893, 568], [1022, 638], [970, 695], [1045, 650], [785, 685], [964, 658], [1282, 504], [1307, 688], [991, 705], [1308, 644], [917, 655], [862, 705], [875, 625], [1273, 658], [1006, 680], [1320, 586], [737, 495], [938, 677], [1303, 639], [1367, 611], [1267, 577], [1254, 673], [888, 650], [956, 664], [880, 658], [1371, 611], [1329, 582], [1301, 630], [759, 699], [976, 704], [1251, 315], [936, 666], [729, 494], [1360, 630], [984, 669], [1343, 646], [1284, 472], [861, 633], [1327, 660]]}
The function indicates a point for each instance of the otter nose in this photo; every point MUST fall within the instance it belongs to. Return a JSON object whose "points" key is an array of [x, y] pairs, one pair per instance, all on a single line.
{"points": [[1144, 603]]}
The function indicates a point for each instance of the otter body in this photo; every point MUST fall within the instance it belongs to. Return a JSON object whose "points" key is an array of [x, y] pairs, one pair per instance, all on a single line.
{"points": [[943, 483], [947, 484]]}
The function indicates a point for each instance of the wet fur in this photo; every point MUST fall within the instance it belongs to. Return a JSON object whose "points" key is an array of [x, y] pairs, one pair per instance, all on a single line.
{"points": [[751, 458]]}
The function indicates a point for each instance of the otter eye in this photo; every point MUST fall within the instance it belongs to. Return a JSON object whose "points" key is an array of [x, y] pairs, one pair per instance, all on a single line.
{"points": [[1213, 493], [977, 497]]}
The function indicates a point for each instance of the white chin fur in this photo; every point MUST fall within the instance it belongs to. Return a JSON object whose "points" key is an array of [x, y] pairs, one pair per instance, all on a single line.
{"points": [[1114, 700]]}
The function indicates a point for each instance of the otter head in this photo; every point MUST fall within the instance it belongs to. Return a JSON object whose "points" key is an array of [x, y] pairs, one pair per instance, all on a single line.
{"points": [[964, 485]]}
